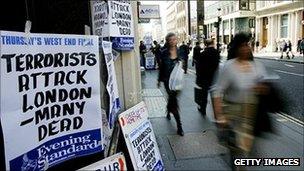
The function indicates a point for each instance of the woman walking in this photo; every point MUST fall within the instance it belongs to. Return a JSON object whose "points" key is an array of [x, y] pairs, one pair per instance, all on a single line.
{"points": [[169, 57], [236, 97]]}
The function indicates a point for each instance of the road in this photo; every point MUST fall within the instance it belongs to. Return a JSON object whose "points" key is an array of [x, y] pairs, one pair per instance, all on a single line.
{"points": [[290, 84]]}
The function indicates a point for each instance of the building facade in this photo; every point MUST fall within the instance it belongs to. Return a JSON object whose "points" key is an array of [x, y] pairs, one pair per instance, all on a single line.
{"points": [[277, 21], [171, 16], [157, 31], [177, 20], [235, 17]]}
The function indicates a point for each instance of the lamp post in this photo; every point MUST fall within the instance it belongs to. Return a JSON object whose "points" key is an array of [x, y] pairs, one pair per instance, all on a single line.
{"points": [[189, 17], [218, 30]]}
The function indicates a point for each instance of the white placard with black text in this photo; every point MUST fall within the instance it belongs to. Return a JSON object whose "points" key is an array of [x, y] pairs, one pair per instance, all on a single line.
{"points": [[50, 98], [140, 138]]}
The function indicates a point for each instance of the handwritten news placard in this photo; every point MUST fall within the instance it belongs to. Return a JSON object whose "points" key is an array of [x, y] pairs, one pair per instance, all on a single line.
{"points": [[140, 138], [114, 19], [50, 98], [112, 88]]}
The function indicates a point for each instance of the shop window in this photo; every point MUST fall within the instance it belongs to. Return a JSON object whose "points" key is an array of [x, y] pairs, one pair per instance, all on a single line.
{"points": [[284, 26]]}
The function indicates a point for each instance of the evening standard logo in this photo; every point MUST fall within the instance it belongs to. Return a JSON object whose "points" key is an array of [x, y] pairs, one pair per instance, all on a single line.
{"points": [[56, 151], [67, 148], [28, 164], [125, 43]]}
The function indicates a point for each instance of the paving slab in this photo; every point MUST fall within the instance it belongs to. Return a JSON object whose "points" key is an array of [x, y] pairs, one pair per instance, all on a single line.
{"points": [[152, 92], [196, 145], [156, 106]]}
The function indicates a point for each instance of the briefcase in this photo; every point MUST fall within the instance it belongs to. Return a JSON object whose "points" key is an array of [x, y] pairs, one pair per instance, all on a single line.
{"points": [[198, 95]]}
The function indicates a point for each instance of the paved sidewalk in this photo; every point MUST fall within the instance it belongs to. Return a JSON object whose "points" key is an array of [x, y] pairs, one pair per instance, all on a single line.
{"points": [[199, 148]]}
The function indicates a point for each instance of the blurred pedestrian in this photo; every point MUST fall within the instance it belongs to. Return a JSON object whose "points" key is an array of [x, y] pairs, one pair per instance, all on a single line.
{"points": [[189, 46], [235, 97], [206, 65], [142, 51], [284, 49], [156, 51], [170, 56], [289, 49], [196, 52], [299, 45], [185, 50], [257, 44], [302, 47]]}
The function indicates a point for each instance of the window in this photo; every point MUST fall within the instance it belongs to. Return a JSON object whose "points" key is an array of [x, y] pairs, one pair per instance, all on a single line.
{"points": [[244, 4], [226, 25], [232, 8], [284, 25]]}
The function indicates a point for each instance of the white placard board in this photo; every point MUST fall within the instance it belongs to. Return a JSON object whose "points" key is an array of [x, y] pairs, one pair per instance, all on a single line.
{"points": [[112, 89], [140, 138], [115, 162], [99, 15], [50, 98], [114, 19]]}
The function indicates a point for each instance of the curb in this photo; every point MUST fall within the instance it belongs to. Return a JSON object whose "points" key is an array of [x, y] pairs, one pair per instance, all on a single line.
{"points": [[299, 62]]}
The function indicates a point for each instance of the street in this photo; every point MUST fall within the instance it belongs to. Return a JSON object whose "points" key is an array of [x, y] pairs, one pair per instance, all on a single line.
{"points": [[290, 83]]}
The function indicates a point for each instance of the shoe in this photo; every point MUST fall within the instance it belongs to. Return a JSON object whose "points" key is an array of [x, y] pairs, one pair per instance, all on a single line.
{"points": [[180, 131], [203, 112], [168, 116], [293, 56], [281, 57]]}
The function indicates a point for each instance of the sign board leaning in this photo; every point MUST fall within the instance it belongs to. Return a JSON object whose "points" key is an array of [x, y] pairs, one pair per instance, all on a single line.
{"points": [[50, 100], [112, 89], [140, 138], [116, 162], [149, 11]]}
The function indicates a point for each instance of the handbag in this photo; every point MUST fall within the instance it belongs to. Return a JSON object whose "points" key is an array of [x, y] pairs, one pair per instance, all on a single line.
{"points": [[176, 77]]}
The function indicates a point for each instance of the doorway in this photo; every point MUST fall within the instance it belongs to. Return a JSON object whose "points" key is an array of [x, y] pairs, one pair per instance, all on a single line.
{"points": [[265, 32]]}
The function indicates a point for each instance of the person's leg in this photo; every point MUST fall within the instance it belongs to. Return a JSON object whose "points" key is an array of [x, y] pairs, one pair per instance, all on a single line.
{"points": [[186, 65], [174, 109], [143, 62], [205, 88], [169, 103]]}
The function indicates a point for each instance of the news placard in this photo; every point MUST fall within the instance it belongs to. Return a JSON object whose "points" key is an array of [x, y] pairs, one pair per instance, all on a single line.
{"points": [[50, 98], [140, 138], [115, 162]]}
